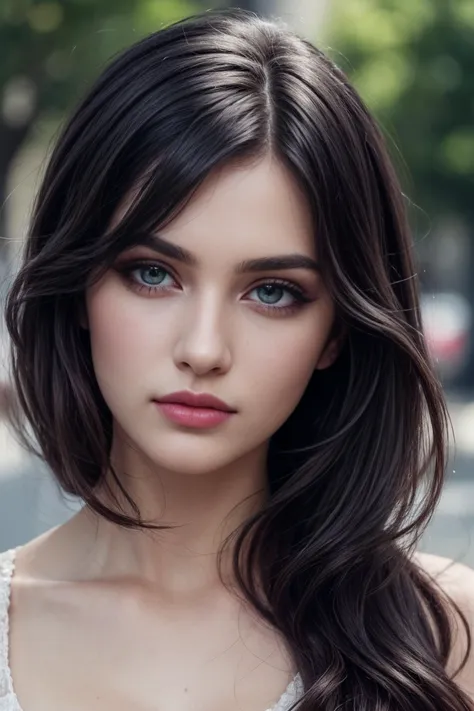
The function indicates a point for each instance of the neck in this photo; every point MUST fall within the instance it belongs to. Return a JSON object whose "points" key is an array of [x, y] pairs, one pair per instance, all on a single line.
{"points": [[202, 509]]}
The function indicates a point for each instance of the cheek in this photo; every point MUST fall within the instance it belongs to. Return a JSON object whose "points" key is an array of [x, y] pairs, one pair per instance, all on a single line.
{"points": [[284, 363], [124, 337]]}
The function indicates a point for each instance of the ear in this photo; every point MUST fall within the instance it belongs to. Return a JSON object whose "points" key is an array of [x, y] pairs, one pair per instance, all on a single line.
{"points": [[332, 349]]}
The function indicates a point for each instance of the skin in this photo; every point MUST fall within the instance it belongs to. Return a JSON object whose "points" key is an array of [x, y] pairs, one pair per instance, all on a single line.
{"points": [[207, 329], [457, 581], [141, 620]]}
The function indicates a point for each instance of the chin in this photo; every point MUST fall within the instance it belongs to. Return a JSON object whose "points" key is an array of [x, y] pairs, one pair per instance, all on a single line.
{"points": [[188, 460]]}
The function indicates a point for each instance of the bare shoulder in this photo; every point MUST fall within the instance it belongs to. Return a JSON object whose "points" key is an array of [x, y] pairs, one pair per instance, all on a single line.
{"points": [[455, 578], [457, 581]]}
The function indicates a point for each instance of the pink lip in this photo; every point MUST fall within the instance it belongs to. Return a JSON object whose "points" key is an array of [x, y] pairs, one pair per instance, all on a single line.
{"points": [[186, 397], [194, 410]]}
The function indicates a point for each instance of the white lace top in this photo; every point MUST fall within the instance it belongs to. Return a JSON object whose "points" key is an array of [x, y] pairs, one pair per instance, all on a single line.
{"points": [[8, 698]]}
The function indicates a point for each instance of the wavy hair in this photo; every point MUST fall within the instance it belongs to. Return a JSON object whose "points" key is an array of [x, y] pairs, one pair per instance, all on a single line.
{"points": [[356, 471]]}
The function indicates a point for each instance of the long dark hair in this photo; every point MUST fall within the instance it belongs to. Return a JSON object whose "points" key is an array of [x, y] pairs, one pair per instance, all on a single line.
{"points": [[356, 471]]}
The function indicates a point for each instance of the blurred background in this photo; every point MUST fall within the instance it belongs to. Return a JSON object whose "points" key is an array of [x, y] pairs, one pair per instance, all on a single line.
{"points": [[412, 61]]}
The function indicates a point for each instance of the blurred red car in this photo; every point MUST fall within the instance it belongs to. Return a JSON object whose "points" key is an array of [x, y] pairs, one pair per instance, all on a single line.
{"points": [[447, 319]]}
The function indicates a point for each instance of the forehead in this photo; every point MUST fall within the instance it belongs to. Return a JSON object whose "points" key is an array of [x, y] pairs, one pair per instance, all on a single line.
{"points": [[243, 211]]}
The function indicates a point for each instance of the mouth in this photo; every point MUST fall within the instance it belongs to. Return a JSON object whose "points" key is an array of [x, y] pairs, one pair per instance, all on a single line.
{"points": [[194, 410], [201, 401]]}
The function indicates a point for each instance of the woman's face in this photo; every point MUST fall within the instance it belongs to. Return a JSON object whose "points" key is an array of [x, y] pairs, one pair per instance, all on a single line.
{"points": [[212, 324]]}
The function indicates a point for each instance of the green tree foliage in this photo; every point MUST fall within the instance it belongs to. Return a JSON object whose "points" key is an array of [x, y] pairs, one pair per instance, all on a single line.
{"points": [[413, 62], [51, 50], [59, 45]]}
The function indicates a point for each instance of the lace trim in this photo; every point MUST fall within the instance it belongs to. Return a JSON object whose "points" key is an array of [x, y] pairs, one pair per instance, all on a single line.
{"points": [[293, 692], [7, 568]]}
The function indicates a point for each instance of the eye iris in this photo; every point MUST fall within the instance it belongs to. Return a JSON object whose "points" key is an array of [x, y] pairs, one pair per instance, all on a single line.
{"points": [[271, 293], [152, 275]]}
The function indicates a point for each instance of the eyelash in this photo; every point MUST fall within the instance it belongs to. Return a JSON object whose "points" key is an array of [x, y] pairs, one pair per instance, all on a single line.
{"points": [[295, 291]]}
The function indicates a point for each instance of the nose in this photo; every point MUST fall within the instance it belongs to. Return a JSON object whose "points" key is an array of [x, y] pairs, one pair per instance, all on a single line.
{"points": [[202, 343]]}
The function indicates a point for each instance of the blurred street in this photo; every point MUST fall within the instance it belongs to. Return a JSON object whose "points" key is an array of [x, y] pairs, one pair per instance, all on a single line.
{"points": [[451, 532], [30, 502]]}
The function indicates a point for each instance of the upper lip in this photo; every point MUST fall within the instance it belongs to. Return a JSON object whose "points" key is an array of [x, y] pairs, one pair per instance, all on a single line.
{"points": [[186, 397]]}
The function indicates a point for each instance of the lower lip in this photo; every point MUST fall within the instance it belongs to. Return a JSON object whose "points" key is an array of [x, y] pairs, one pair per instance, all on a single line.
{"points": [[198, 417]]}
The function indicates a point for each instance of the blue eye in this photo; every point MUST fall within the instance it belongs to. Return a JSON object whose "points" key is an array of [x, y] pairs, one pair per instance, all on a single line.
{"points": [[270, 293], [274, 296], [155, 274], [279, 296], [152, 277]]}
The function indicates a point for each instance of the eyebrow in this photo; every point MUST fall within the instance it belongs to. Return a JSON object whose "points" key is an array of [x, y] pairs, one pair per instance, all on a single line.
{"points": [[278, 262]]}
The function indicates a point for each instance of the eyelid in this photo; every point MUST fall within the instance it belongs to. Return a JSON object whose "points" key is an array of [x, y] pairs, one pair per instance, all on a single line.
{"points": [[131, 264], [290, 286], [278, 280]]}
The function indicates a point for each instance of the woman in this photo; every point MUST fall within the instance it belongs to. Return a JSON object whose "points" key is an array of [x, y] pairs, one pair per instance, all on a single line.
{"points": [[217, 345]]}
